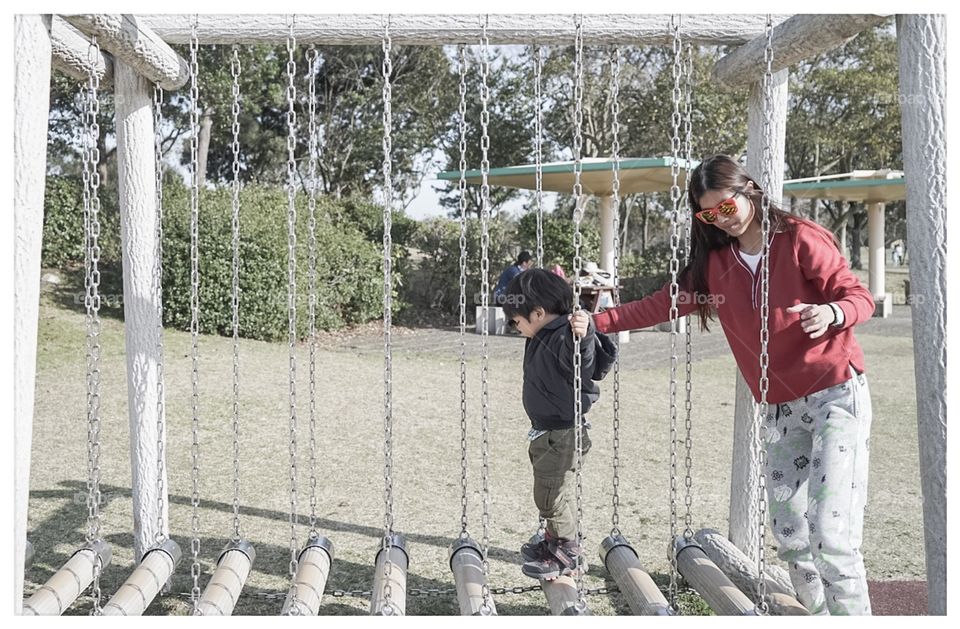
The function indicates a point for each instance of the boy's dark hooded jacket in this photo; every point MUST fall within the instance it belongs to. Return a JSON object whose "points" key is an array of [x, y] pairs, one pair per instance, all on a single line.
{"points": [[548, 373]]}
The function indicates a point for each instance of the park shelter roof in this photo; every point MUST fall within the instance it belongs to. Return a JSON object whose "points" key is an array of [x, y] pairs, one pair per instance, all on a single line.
{"points": [[646, 174], [879, 186]]}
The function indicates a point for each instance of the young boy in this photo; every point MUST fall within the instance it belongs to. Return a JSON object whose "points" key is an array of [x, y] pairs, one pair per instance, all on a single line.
{"points": [[539, 304]]}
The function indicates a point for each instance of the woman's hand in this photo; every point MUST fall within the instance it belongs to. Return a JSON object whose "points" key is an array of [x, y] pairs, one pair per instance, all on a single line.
{"points": [[580, 322], [814, 318]]}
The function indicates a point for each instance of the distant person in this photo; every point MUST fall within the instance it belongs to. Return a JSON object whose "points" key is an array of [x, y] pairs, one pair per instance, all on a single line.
{"points": [[539, 304], [524, 262], [558, 271], [897, 254]]}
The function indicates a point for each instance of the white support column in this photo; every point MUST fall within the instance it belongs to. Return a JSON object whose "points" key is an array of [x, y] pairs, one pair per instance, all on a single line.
{"points": [[31, 108], [743, 474], [878, 261], [606, 233], [138, 212], [922, 41]]}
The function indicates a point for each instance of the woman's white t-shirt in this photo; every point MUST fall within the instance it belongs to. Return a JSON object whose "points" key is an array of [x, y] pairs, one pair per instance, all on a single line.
{"points": [[752, 259]]}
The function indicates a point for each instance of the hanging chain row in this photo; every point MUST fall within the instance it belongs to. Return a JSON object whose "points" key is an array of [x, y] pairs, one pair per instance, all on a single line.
{"points": [[91, 206], [462, 127], [486, 607], [675, 194], [767, 185], [615, 156], [159, 535], [581, 604], [235, 283], [195, 313], [312, 152], [387, 69]]}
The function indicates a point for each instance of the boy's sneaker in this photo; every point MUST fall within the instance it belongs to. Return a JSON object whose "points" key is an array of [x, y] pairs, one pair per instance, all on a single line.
{"points": [[536, 548], [559, 560]]}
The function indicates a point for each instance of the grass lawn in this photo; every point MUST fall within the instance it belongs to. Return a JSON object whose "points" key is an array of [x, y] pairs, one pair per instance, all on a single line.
{"points": [[426, 456]]}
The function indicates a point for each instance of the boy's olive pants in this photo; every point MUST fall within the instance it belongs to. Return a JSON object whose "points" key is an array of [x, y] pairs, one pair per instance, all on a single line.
{"points": [[554, 459]]}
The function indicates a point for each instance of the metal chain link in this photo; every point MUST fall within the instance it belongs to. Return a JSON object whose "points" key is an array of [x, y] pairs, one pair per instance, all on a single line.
{"points": [[462, 126], [291, 97], [312, 58], [159, 535], [767, 179], [235, 284], [615, 156], [581, 604], [424, 592], [538, 144], [387, 70], [486, 607], [687, 219], [91, 204], [674, 292], [195, 314]]}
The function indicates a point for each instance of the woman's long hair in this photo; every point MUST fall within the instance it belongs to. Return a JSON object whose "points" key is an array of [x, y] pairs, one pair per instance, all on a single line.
{"points": [[719, 172]]}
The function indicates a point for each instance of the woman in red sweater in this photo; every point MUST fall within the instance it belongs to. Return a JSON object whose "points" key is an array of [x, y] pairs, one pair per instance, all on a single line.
{"points": [[817, 432]]}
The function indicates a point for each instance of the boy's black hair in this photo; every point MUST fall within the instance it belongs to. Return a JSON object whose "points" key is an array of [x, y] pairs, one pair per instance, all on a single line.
{"points": [[523, 257], [537, 288]]}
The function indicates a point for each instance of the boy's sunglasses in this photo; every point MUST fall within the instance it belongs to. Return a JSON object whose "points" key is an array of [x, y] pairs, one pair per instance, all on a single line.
{"points": [[727, 207]]}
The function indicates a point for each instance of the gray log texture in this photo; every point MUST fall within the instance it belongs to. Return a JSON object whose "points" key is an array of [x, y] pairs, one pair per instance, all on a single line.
{"points": [[31, 109], [138, 214], [71, 53], [796, 39], [923, 88], [132, 41], [744, 574], [435, 30]]}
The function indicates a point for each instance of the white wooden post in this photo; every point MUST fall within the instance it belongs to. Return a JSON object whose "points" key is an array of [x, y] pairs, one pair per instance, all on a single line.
{"points": [[606, 232], [138, 211], [31, 108], [878, 254], [746, 459], [922, 41]]}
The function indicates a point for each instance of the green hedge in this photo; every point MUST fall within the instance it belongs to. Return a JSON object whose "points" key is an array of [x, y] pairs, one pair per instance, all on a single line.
{"points": [[349, 260]]}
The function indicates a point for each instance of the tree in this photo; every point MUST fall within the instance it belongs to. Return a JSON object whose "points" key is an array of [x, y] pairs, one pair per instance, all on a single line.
{"points": [[511, 113]]}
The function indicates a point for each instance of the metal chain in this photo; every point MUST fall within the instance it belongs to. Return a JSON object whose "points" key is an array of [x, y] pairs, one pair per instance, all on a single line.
{"points": [[486, 608], [674, 293], [581, 604], [235, 285], [462, 126], [92, 302], [424, 592], [312, 58], [291, 96], [687, 219], [159, 535], [387, 69], [767, 178], [538, 144], [195, 313], [615, 156]]}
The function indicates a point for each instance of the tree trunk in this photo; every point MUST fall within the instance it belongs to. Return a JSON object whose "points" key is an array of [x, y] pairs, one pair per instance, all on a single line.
{"points": [[856, 241], [644, 222], [203, 147]]}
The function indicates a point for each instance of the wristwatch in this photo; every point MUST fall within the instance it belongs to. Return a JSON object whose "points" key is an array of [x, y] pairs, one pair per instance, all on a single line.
{"points": [[837, 315]]}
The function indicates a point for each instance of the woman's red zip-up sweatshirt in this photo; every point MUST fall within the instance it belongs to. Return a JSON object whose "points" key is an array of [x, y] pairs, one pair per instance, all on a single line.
{"points": [[805, 267]]}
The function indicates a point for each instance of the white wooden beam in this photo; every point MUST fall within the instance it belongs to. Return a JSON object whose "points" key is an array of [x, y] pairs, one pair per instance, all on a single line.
{"points": [[71, 53], [135, 44], [796, 39], [744, 511], [31, 108], [136, 179], [452, 29], [922, 41]]}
